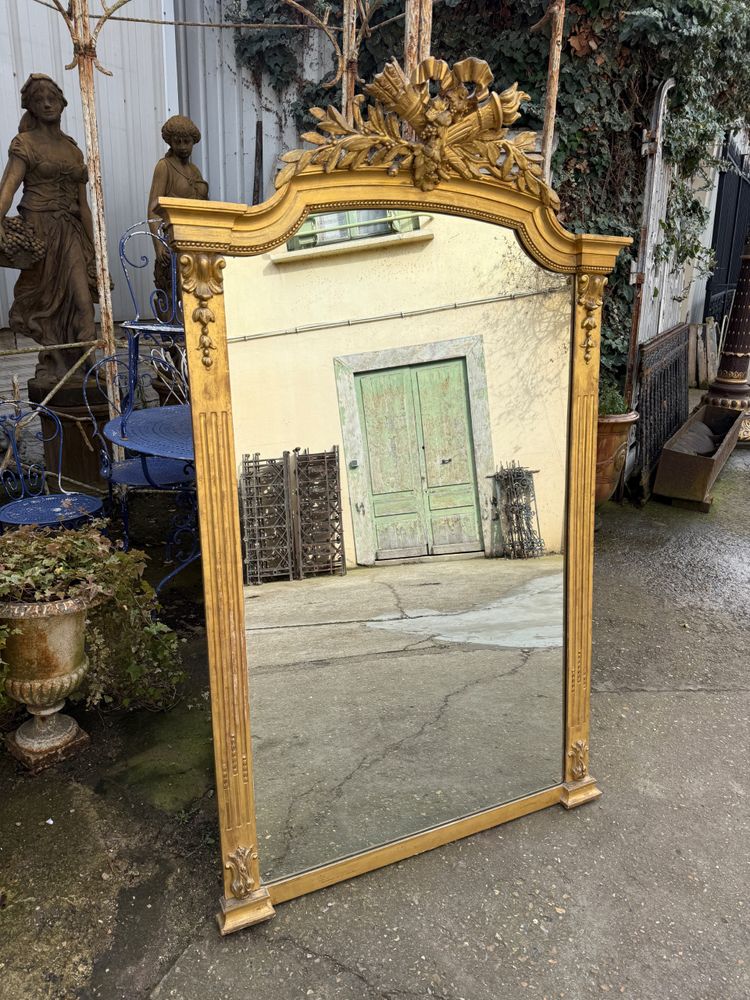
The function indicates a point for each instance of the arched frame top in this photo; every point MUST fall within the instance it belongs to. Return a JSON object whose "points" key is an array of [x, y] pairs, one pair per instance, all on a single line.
{"points": [[244, 230], [203, 233]]}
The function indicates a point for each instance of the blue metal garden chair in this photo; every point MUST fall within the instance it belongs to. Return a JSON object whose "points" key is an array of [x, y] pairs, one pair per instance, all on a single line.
{"points": [[25, 482], [156, 327], [158, 383]]}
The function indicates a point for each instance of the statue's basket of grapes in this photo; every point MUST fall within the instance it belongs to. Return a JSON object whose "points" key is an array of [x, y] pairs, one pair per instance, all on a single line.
{"points": [[20, 248]]}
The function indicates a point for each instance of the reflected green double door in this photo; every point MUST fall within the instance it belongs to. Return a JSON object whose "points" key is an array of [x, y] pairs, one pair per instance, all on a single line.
{"points": [[416, 426]]}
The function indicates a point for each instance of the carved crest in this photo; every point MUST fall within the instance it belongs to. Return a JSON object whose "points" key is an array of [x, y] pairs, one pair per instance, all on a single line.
{"points": [[441, 123]]}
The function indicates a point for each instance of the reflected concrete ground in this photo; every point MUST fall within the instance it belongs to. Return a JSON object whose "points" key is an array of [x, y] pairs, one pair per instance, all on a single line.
{"points": [[399, 697]]}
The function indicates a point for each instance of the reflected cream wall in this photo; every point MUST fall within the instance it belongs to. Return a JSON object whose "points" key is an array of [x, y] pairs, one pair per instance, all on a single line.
{"points": [[283, 383]]}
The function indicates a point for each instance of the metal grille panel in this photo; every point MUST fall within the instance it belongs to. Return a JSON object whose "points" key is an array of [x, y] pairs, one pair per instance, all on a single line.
{"points": [[265, 505], [291, 515], [663, 401], [515, 500]]}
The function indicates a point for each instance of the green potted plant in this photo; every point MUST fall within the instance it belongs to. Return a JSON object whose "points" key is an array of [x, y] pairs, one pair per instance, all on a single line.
{"points": [[52, 582], [615, 421]]}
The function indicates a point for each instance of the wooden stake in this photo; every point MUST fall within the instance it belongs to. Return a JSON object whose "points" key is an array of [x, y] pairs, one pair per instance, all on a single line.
{"points": [[349, 50], [417, 33], [555, 16]]}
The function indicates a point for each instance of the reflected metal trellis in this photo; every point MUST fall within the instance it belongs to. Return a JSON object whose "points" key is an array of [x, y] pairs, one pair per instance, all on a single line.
{"points": [[290, 510], [515, 501]]}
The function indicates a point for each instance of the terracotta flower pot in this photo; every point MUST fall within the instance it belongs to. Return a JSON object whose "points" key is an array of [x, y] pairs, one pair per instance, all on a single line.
{"points": [[46, 662], [611, 451]]}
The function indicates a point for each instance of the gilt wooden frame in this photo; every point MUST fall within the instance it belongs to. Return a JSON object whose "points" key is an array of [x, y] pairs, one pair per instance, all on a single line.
{"points": [[204, 233]]}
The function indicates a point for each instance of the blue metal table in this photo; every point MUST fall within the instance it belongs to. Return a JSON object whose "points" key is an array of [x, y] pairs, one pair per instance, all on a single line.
{"points": [[164, 432]]}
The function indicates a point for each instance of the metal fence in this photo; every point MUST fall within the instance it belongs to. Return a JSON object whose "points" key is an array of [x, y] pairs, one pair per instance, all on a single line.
{"points": [[663, 400]]}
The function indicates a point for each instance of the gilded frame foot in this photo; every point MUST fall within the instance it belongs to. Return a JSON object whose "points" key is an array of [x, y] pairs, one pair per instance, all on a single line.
{"points": [[238, 913], [578, 793]]}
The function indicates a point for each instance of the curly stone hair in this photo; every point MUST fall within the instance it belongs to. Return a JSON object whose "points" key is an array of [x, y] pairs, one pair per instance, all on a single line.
{"points": [[179, 125]]}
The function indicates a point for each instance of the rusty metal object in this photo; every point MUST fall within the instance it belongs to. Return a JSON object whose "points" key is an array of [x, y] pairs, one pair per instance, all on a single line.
{"points": [[663, 399], [291, 516], [515, 502], [611, 451], [688, 476], [46, 663]]}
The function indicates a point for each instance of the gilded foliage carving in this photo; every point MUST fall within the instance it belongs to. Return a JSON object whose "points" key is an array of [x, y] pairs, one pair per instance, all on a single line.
{"points": [[240, 863], [579, 755], [590, 297], [201, 276], [440, 123]]}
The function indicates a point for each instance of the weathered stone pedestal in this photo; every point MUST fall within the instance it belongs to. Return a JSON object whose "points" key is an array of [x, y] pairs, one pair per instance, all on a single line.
{"points": [[81, 449]]}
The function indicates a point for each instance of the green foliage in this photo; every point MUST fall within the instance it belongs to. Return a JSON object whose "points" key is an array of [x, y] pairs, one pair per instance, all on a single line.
{"points": [[134, 659], [42, 564], [611, 400], [614, 58]]}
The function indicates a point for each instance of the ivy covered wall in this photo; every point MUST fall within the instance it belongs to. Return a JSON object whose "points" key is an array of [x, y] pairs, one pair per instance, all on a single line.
{"points": [[614, 57]]}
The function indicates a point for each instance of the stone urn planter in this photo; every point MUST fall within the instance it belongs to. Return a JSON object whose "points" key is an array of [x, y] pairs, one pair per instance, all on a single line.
{"points": [[611, 451], [46, 662]]}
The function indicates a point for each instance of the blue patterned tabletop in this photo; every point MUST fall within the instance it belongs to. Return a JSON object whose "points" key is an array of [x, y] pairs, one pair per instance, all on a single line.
{"points": [[166, 431]]}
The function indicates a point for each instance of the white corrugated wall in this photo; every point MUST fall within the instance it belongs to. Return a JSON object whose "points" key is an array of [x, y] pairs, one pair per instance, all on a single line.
{"points": [[131, 104], [225, 103], [155, 69]]}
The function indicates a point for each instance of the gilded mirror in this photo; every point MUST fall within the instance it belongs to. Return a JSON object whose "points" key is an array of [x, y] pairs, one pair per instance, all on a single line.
{"points": [[393, 367]]}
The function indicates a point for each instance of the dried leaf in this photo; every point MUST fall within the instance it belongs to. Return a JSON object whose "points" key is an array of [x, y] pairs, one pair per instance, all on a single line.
{"points": [[314, 137], [285, 175]]}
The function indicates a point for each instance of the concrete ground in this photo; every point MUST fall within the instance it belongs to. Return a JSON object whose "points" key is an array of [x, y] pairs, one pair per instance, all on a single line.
{"points": [[399, 697], [643, 894]]}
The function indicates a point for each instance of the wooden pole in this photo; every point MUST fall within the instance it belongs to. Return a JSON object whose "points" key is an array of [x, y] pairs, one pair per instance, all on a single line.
{"points": [[555, 16], [85, 53], [417, 33], [349, 52], [425, 30]]}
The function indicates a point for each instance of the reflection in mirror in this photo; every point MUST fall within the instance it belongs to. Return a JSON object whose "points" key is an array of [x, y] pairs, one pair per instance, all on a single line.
{"points": [[400, 402]]}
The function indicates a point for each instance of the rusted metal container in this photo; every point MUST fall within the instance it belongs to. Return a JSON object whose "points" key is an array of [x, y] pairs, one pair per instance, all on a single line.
{"points": [[46, 662], [686, 476]]}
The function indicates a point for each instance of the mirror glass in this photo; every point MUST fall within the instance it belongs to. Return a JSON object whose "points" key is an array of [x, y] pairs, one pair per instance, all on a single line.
{"points": [[400, 393]]}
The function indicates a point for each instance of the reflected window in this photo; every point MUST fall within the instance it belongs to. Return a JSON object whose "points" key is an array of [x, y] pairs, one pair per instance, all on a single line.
{"points": [[343, 227]]}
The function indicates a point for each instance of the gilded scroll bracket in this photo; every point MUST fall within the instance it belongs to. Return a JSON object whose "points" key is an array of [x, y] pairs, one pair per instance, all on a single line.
{"points": [[201, 276], [590, 298]]}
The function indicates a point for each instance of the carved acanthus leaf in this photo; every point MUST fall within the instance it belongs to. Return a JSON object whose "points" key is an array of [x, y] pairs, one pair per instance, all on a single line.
{"points": [[240, 863], [461, 130], [201, 276], [579, 755]]}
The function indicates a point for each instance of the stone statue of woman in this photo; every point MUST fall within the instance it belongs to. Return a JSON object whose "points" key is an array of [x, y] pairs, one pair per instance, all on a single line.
{"points": [[54, 298], [174, 177]]}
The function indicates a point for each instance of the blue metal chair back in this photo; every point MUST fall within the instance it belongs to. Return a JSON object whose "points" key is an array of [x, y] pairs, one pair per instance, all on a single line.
{"points": [[164, 304], [162, 332], [23, 479]]}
